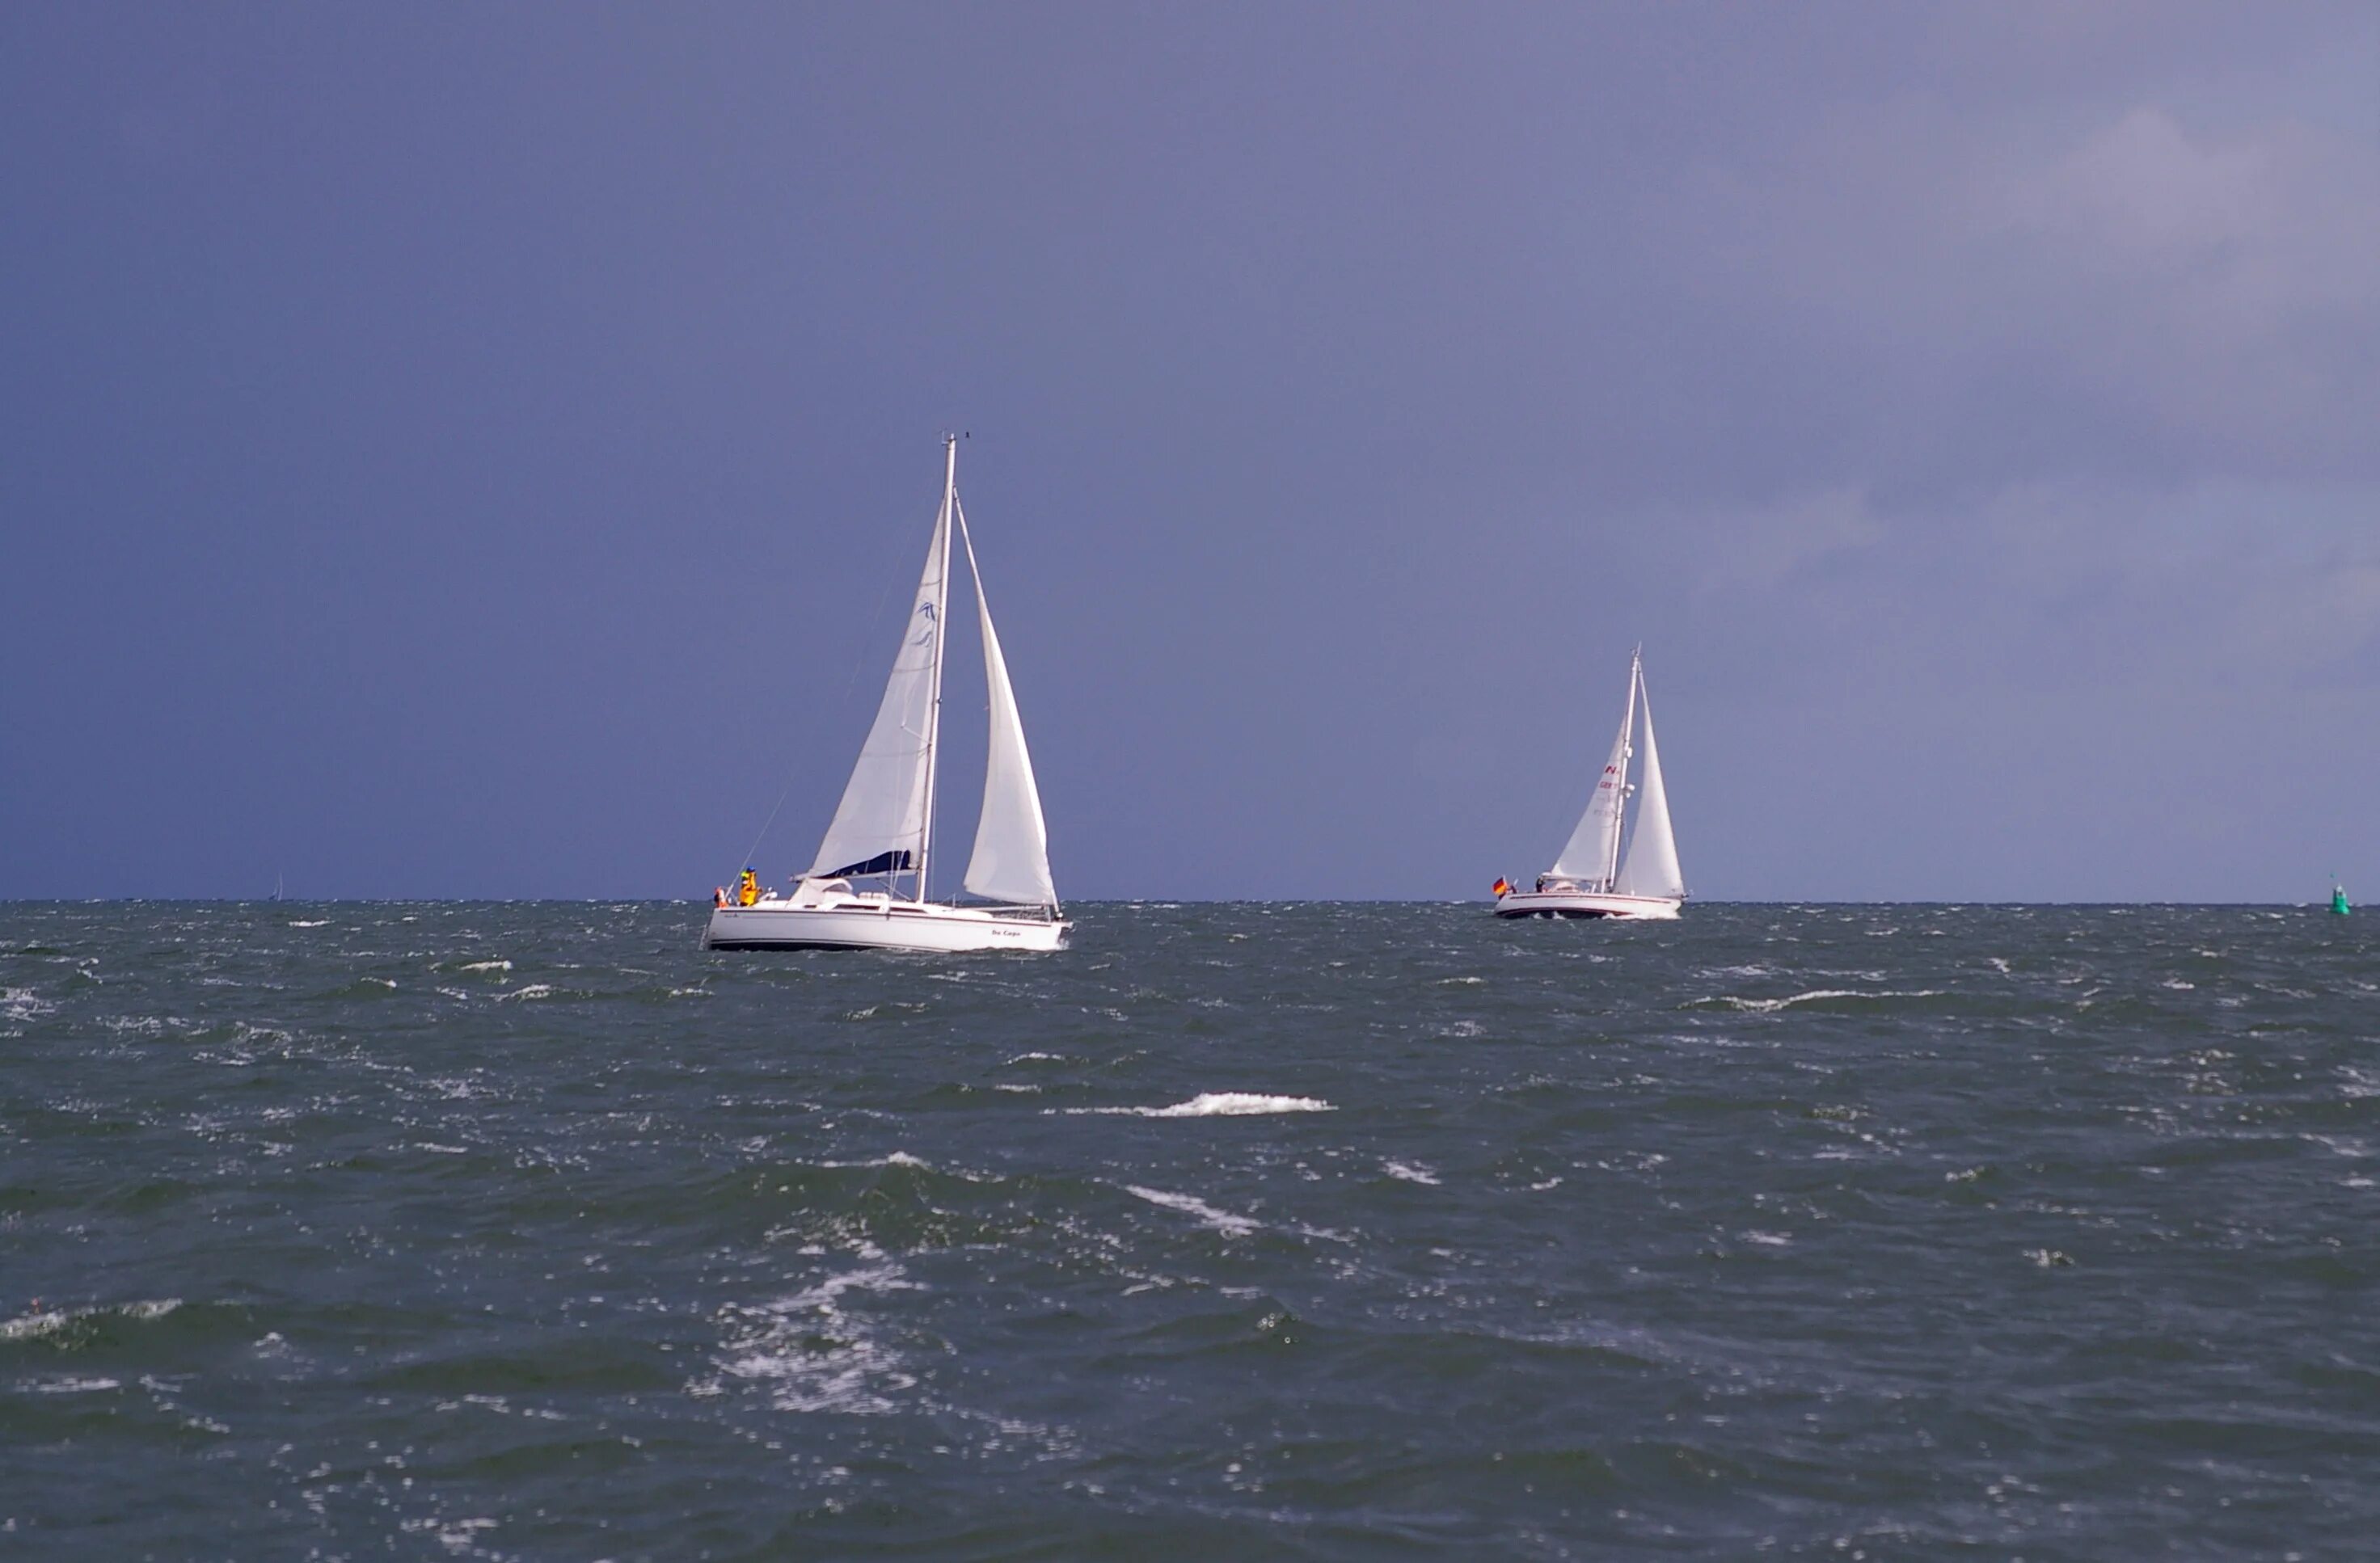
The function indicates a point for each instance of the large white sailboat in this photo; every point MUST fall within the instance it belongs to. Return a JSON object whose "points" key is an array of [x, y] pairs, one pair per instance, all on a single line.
{"points": [[1592, 878], [883, 833]]}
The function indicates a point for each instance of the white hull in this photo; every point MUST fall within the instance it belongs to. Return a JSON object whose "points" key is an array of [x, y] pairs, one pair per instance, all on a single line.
{"points": [[878, 925], [1585, 903]]}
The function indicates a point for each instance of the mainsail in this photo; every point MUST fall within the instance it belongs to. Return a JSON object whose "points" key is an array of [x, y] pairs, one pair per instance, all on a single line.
{"points": [[1012, 841], [880, 826], [1652, 866], [1594, 850]]}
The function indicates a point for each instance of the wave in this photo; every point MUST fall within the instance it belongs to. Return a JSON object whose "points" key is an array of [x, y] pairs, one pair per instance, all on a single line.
{"points": [[56, 1321], [1222, 1220], [811, 1354], [1816, 996], [1214, 1104], [898, 1158]]}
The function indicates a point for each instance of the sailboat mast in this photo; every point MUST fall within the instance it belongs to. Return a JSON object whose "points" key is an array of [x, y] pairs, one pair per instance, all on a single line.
{"points": [[942, 613]]}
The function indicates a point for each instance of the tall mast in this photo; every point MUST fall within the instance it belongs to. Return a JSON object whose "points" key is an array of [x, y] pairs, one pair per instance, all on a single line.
{"points": [[942, 614], [1627, 749]]}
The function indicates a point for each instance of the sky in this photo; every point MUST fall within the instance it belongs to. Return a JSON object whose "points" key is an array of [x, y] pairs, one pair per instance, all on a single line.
{"points": [[487, 451]]}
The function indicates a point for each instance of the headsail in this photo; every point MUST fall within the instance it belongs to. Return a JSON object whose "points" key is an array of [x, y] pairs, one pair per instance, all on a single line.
{"points": [[1652, 867], [1012, 840], [1593, 855], [880, 826]]}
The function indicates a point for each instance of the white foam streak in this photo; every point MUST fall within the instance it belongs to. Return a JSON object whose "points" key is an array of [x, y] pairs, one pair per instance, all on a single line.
{"points": [[33, 1327], [1222, 1220], [1769, 1006], [1218, 1104]]}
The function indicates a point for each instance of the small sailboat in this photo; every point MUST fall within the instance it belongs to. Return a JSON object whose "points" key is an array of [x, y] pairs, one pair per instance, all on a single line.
{"points": [[1593, 878], [883, 833]]}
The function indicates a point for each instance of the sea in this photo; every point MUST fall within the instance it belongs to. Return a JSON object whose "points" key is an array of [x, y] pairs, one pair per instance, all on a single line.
{"points": [[534, 1231]]}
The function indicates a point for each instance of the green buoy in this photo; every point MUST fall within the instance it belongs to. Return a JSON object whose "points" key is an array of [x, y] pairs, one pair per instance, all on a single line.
{"points": [[2339, 900]]}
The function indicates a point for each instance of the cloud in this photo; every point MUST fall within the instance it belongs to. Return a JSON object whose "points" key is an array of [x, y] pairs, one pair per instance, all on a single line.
{"points": [[2227, 288], [2063, 584], [1928, 296]]}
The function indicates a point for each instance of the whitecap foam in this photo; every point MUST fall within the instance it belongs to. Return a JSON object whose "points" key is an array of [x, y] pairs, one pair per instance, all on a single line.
{"points": [[35, 1327], [1216, 1104], [898, 1158], [812, 1354], [1222, 1220], [32, 1327], [319, 923], [534, 990], [73, 1386], [1409, 1173], [1769, 1006], [485, 967]]}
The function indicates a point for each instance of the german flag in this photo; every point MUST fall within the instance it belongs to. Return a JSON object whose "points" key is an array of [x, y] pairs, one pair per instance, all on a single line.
{"points": [[1502, 889]]}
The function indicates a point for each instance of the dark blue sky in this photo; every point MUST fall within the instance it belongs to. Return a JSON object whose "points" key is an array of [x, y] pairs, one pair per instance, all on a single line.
{"points": [[472, 452]]}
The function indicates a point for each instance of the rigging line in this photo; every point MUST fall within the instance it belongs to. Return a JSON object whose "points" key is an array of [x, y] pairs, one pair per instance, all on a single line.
{"points": [[755, 847], [858, 660], [860, 655]]}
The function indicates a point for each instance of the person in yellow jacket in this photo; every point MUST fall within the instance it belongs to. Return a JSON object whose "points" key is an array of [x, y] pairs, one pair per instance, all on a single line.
{"points": [[748, 889]]}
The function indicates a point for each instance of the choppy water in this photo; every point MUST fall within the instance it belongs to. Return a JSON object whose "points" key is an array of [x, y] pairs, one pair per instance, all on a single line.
{"points": [[1332, 1231]]}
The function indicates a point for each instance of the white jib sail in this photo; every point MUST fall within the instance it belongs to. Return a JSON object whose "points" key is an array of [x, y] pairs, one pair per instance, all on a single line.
{"points": [[1594, 848], [881, 825], [1652, 867], [1012, 840]]}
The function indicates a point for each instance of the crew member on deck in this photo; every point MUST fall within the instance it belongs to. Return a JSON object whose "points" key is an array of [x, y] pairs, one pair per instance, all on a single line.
{"points": [[748, 889]]}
